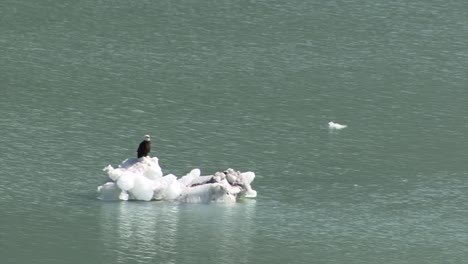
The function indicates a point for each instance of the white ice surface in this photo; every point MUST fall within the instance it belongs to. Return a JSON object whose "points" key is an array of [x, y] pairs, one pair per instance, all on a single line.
{"points": [[142, 179], [333, 125]]}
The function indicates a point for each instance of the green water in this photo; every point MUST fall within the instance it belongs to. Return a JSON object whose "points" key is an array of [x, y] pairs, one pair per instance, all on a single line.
{"points": [[249, 85]]}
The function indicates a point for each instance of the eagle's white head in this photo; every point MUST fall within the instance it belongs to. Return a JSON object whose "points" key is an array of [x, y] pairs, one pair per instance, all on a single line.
{"points": [[147, 138]]}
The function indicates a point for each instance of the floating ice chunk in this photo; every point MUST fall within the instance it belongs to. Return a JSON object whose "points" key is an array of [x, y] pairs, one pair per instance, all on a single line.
{"points": [[142, 179], [333, 125], [128, 163], [235, 190], [126, 181], [158, 190], [152, 170], [250, 194], [204, 193], [173, 191], [187, 179], [113, 174], [248, 176], [200, 180], [123, 196], [142, 188]]}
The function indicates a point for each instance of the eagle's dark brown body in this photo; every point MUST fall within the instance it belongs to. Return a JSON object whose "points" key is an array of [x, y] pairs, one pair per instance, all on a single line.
{"points": [[144, 148]]}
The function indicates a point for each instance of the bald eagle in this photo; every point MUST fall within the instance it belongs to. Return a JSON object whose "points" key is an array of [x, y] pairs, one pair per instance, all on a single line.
{"points": [[145, 147]]}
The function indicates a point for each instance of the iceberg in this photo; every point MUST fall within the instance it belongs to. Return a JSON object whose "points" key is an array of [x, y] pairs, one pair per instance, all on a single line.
{"points": [[142, 179]]}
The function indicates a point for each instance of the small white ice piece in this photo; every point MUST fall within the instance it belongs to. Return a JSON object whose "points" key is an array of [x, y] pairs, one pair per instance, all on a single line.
{"points": [[333, 125]]}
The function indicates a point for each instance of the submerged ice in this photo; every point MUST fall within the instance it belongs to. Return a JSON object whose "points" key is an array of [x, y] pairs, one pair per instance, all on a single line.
{"points": [[142, 179]]}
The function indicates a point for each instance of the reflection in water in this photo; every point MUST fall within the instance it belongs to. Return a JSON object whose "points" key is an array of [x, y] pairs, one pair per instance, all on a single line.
{"points": [[236, 237], [140, 232], [216, 233], [158, 232]]}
